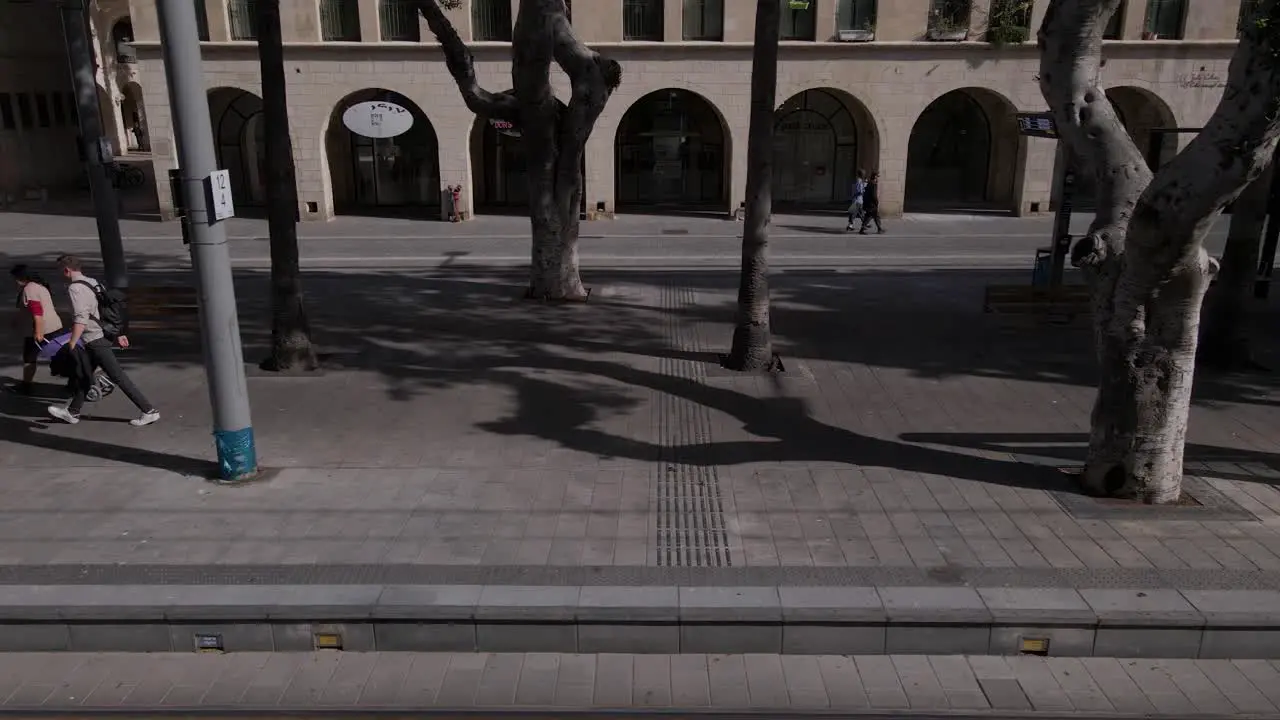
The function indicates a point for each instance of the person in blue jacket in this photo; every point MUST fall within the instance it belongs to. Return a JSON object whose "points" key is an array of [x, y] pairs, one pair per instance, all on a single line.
{"points": [[856, 204]]}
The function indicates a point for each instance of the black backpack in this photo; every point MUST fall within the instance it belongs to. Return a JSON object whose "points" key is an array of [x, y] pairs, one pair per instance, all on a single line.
{"points": [[113, 310]]}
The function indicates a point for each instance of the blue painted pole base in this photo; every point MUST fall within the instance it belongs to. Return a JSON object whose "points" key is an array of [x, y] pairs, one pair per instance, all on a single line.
{"points": [[237, 455]]}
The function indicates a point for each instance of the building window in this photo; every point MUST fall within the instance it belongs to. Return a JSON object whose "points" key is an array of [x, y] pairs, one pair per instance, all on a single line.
{"points": [[856, 15], [243, 18], [491, 20], [59, 112], [703, 19], [949, 20], [798, 20], [7, 120], [202, 21], [122, 39], [24, 110], [1165, 19], [42, 110], [340, 20], [1115, 27], [1009, 21], [399, 20], [642, 20]]}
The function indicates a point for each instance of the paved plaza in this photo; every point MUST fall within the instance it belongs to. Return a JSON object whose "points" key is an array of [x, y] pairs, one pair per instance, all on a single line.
{"points": [[563, 685], [459, 426]]}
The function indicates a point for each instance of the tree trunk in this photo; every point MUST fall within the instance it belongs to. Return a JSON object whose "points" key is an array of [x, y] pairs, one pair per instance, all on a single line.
{"points": [[1144, 252], [1225, 344], [752, 336], [552, 133], [290, 332]]}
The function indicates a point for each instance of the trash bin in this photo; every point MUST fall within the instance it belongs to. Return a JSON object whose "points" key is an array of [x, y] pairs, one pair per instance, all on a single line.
{"points": [[1043, 266]]}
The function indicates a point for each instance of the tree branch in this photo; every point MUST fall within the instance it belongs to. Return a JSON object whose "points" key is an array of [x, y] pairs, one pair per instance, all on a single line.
{"points": [[461, 64], [1070, 41], [1233, 149], [593, 79]]}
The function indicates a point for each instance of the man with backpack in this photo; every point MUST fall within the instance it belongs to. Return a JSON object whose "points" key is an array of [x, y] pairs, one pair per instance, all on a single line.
{"points": [[99, 320]]}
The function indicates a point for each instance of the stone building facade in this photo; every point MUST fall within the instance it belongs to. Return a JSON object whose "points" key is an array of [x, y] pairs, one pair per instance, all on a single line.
{"points": [[923, 91]]}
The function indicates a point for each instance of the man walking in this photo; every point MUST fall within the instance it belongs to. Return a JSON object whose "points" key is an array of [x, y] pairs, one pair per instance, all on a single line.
{"points": [[855, 204], [86, 294], [871, 205]]}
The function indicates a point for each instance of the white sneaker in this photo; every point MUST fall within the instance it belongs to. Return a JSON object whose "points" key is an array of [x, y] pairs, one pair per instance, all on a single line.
{"points": [[146, 419], [63, 414]]}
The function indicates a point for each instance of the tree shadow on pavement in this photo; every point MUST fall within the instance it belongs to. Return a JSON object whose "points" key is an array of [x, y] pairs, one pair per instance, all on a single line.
{"points": [[574, 375]]}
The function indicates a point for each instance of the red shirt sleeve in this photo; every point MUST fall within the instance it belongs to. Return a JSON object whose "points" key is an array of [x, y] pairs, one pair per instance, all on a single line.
{"points": [[35, 307]]}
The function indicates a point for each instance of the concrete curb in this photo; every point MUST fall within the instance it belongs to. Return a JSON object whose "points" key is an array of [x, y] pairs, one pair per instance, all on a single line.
{"points": [[1160, 623]]}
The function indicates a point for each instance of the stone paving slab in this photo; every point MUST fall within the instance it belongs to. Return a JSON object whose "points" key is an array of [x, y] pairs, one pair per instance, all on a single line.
{"points": [[559, 684], [656, 619], [469, 439]]}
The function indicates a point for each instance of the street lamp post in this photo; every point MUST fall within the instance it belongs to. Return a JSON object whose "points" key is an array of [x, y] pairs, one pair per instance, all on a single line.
{"points": [[206, 194]]}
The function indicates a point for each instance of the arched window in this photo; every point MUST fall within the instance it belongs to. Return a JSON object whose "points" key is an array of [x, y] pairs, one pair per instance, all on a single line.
{"points": [[122, 39], [1165, 19]]}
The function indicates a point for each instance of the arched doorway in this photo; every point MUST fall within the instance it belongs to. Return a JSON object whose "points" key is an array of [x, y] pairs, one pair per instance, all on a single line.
{"points": [[821, 138], [236, 116], [670, 152], [1148, 119], [384, 176], [963, 153], [134, 116], [501, 179]]}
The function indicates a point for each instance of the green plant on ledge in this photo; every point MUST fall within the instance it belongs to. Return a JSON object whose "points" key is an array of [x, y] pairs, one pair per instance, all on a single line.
{"points": [[1009, 22], [1008, 35]]}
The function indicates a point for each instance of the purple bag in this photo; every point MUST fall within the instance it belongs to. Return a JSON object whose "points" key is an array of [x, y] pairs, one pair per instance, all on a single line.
{"points": [[53, 344]]}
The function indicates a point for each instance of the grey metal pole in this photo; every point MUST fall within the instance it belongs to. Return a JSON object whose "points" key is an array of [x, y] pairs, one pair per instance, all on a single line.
{"points": [[220, 327], [93, 146]]}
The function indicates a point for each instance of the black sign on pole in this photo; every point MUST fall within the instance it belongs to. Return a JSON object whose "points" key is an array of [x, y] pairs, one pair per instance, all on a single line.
{"points": [[1037, 124], [1042, 125]]}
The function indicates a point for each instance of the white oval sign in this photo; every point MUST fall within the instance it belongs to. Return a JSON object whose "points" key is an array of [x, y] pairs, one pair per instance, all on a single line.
{"points": [[377, 119]]}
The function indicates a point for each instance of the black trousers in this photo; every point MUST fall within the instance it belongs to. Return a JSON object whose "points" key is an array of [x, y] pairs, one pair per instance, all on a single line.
{"points": [[103, 356], [870, 213]]}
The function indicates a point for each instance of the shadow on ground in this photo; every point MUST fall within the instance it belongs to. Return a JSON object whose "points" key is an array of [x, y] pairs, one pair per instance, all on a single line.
{"points": [[571, 374]]}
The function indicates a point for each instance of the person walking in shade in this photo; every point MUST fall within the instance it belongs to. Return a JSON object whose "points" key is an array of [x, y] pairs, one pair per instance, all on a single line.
{"points": [[87, 298], [856, 203], [41, 319], [871, 205]]}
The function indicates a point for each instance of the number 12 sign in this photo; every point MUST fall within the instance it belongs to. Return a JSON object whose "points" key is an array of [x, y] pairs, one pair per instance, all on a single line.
{"points": [[218, 192]]}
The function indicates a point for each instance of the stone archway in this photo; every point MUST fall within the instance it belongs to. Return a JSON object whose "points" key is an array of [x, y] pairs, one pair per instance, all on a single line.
{"points": [[964, 154], [236, 116], [395, 176], [822, 137], [500, 180], [1148, 119], [133, 114], [672, 151]]}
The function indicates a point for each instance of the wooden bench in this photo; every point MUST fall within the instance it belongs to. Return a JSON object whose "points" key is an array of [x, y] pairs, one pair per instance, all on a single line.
{"points": [[1064, 301], [158, 307]]}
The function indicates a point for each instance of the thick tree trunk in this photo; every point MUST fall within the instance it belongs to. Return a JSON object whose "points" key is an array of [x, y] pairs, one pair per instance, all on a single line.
{"points": [[290, 332], [1144, 251], [1225, 343], [553, 134], [752, 336]]}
